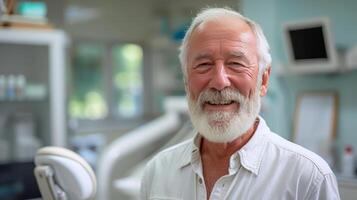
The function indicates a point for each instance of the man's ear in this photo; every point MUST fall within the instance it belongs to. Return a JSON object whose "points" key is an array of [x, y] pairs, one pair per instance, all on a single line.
{"points": [[265, 81]]}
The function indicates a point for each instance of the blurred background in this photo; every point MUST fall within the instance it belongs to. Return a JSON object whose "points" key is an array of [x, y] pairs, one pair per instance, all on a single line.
{"points": [[84, 74]]}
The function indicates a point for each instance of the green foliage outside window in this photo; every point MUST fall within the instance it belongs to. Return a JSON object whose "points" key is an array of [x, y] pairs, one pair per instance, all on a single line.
{"points": [[87, 99], [127, 81]]}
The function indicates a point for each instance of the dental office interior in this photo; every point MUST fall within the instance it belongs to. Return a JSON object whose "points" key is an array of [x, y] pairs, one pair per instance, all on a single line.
{"points": [[103, 79]]}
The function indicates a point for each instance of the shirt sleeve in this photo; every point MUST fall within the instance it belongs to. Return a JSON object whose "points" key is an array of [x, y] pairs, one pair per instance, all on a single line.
{"points": [[145, 182], [326, 189], [143, 188]]}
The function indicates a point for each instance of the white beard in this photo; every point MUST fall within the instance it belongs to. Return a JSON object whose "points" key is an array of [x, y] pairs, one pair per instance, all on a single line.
{"points": [[224, 126]]}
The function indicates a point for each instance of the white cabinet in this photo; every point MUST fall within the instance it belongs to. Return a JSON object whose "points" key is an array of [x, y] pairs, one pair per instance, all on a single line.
{"points": [[347, 188], [39, 55]]}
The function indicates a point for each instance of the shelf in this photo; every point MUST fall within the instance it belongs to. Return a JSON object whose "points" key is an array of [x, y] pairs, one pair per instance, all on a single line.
{"points": [[24, 100], [57, 42], [32, 37], [286, 70], [342, 64]]}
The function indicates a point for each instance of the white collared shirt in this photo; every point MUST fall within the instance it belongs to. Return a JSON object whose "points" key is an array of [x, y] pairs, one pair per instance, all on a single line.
{"points": [[267, 167]]}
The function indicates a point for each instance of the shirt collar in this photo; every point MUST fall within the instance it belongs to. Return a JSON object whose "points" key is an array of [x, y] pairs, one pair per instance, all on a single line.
{"points": [[251, 154], [192, 153]]}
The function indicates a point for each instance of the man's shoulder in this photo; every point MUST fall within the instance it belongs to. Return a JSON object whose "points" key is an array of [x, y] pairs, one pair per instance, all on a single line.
{"points": [[167, 170], [174, 155], [179, 148], [296, 151]]}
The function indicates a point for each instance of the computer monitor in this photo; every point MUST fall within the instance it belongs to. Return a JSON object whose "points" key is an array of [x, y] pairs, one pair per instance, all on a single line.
{"points": [[310, 46]]}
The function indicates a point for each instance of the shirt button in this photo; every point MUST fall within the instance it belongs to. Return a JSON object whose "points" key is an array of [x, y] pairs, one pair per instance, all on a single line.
{"points": [[200, 180]]}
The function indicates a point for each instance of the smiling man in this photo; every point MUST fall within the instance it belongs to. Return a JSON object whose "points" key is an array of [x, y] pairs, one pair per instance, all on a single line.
{"points": [[226, 65]]}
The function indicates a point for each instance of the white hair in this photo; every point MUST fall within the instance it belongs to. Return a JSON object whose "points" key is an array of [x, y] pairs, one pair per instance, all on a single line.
{"points": [[215, 13]]}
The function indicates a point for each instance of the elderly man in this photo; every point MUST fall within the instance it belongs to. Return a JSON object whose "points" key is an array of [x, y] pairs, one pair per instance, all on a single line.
{"points": [[226, 65]]}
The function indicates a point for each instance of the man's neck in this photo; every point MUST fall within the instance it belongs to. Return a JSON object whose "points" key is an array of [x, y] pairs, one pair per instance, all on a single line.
{"points": [[225, 150]]}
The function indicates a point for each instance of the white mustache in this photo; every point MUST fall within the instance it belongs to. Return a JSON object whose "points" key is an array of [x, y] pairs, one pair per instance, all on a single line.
{"points": [[224, 96]]}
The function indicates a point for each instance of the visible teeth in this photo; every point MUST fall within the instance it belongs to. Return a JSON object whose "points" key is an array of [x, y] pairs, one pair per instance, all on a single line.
{"points": [[224, 102]]}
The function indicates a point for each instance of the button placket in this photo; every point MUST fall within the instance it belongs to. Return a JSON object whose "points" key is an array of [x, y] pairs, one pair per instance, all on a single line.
{"points": [[201, 191]]}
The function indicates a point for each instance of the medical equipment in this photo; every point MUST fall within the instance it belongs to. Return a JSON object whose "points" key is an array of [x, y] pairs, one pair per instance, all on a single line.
{"points": [[128, 151], [62, 174]]}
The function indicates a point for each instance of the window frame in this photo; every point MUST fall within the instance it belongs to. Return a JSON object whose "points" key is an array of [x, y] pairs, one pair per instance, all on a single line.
{"points": [[112, 121]]}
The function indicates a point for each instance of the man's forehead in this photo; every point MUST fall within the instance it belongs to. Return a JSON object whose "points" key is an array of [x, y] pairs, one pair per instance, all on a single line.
{"points": [[229, 28], [224, 23]]}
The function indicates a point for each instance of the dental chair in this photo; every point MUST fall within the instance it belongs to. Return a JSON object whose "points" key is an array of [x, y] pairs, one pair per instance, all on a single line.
{"points": [[121, 164], [62, 174]]}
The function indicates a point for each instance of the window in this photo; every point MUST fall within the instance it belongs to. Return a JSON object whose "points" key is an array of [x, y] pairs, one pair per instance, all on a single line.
{"points": [[106, 81], [127, 80]]}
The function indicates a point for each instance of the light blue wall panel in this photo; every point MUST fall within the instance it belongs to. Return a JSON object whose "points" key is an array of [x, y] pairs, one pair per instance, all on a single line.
{"points": [[271, 14]]}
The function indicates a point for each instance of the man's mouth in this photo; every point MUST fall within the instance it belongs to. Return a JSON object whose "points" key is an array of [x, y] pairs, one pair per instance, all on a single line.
{"points": [[226, 102], [225, 105]]}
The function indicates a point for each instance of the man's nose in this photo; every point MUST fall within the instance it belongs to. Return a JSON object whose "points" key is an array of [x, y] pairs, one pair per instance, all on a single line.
{"points": [[220, 78]]}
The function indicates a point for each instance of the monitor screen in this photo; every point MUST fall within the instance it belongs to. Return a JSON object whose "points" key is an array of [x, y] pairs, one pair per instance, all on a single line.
{"points": [[308, 43], [310, 46]]}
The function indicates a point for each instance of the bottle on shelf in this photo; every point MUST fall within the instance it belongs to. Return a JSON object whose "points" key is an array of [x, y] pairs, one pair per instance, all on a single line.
{"points": [[348, 162], [20, 87], [10, 89]]}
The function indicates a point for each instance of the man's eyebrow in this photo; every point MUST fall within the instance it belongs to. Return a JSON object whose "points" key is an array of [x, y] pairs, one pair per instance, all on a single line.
{"points": [[201, 56], [238, 54], [234, 54]]}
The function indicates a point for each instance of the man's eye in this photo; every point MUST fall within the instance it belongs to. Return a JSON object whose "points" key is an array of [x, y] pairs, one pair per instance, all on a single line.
{"points": [[235, 64], [203, 65]]}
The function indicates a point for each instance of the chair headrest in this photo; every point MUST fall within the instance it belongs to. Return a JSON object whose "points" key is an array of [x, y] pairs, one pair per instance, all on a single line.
{"points": [[72, 173]]}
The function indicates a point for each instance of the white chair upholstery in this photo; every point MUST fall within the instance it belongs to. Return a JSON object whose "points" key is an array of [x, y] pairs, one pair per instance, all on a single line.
{"points": [[63, 175]]}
